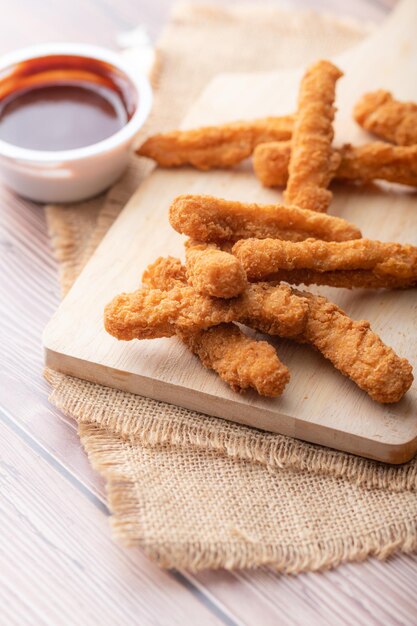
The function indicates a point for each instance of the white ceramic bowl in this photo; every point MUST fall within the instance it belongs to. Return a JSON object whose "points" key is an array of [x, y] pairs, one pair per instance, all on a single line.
{"points": [[77, 174]]}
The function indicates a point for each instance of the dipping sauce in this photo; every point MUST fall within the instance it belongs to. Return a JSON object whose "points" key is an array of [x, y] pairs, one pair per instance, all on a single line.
{"points": [[61, 117], [63, 103]]}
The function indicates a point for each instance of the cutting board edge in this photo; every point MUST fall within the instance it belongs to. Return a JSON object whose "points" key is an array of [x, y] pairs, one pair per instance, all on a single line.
{"points": [[394, 454]]}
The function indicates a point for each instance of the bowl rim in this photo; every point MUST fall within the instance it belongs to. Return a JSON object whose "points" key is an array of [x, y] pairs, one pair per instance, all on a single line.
{"points": [[137, 78]]}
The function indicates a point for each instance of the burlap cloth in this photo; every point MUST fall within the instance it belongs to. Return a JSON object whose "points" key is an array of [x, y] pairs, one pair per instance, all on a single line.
{"points": [[195, 491]]}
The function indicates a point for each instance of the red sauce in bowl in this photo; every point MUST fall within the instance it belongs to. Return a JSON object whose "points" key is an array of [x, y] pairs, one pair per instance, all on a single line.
{"points": [[63, 102]]}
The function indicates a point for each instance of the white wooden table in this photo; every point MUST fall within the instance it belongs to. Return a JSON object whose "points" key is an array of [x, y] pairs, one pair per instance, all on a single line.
{"points": [[58, 564]]}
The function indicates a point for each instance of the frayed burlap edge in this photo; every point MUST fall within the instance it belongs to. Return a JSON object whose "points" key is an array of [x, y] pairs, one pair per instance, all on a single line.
{"points": [[74, 397], [108, 456]]}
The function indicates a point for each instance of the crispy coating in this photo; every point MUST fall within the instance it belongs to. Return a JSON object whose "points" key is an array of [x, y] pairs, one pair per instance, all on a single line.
{"points": [[372, 161], [239, 360], [313, 163], [343, 279], [153, 313], [379, 160], [215, 146], [379, 113], [356, 351], [391, 264], [214, 272], [210, 219], [351, 346], [165, 273], [270, 163]]}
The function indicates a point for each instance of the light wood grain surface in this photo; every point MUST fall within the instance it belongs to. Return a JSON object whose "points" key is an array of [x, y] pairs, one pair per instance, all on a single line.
{"points": [[58, 563]]}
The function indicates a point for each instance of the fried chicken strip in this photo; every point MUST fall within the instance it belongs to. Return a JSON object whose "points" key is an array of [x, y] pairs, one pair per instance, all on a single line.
{"points": [[312, 162], [392, 120], [391, 264], [215, 146], [356, 351], [210, 219], [153, 313], [239, 360], [343, 279], [165, 273], [373, 161], [351, 346], [214, 272]]}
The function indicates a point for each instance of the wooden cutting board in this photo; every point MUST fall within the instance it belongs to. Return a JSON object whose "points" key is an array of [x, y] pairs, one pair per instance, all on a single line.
{"points": [[319, 404]]}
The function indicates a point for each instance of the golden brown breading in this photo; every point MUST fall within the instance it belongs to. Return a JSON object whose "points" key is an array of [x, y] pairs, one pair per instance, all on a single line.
{"points": [[379, 160], [165, 273], [379, 113], [372, 161], [239, 360], [270, 163], [210, 219], [214, 272], [356, 351], [152, 313], [313, 163], [351, 346], [343, 279], [392, 264], [215, 146]]}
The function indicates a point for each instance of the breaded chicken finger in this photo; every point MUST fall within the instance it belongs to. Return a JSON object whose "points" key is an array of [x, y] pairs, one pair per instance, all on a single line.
{"points": [[152, 313], [350, 345], [343, 279], [210, 219], [392, 264], [214, 272], [313, 163], [373, 161], [379, 113], [165, 273], [356, 351], [215, 146], [239, 360]]}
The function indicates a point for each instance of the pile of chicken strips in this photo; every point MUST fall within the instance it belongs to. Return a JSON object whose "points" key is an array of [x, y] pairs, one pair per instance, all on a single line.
{"points": [[244, 261]]}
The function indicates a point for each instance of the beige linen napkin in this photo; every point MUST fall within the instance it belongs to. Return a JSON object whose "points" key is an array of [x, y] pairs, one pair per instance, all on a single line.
{"points": [[196, 491]]}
